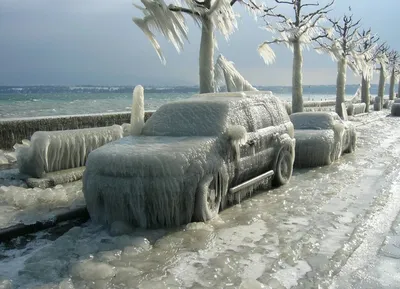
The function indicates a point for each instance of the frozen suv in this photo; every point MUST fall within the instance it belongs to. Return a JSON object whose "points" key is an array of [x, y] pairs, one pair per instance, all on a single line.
{"points": [[193, 158]]}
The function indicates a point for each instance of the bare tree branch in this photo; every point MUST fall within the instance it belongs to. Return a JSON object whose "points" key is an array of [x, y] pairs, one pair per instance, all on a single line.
{"points": [[174, 8], [285, 2], [309, 4], [322, 10]]}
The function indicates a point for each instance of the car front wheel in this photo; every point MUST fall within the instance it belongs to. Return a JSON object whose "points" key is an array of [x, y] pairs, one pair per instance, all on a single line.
{"points": [[208, 198], [284, 168]]}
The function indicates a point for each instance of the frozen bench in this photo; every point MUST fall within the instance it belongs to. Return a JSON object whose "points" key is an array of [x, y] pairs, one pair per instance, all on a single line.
{"points": [[52, 151]]}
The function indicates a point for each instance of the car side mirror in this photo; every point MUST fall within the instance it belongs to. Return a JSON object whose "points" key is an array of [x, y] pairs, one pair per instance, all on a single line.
{"points": [[237, 135]]}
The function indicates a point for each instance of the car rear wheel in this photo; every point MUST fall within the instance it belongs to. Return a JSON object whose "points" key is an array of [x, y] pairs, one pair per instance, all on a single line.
{"points": [[284, 168], [208, 198]]}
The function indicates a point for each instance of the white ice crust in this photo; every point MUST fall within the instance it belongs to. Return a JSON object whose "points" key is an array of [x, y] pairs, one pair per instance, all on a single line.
{"points": [[151, 180], [59, 150], [321, 138], [137, 114]]}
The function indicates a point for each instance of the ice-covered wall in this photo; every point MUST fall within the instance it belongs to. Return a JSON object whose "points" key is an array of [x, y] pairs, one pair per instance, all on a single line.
{"points": [[59, 150], [15, 130]]}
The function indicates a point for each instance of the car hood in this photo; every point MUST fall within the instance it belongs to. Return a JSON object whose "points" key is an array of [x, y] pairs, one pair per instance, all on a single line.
{"points": [[153, 156]]}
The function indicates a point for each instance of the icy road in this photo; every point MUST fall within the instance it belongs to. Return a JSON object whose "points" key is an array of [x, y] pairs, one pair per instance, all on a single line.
{"points": [[331, 227]]}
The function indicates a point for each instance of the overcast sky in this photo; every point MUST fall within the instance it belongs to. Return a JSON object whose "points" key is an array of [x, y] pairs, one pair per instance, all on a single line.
{"points": [[67, 42]]}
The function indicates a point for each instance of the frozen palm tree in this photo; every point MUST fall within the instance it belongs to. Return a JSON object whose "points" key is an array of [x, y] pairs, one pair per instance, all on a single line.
{"points": [[393, 66], [226, 74], [209, 14], [296, 33], [342, 47]]}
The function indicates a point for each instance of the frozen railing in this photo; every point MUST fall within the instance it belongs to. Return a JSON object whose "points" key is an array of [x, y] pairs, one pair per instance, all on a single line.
{"points": [[51, 151]]}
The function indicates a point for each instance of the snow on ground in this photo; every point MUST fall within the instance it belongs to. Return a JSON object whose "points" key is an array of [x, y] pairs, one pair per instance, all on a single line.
{"points": [[331, 227]]}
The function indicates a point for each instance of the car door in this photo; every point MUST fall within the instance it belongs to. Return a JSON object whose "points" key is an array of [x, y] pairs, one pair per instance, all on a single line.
{"points": [[263, 139]]}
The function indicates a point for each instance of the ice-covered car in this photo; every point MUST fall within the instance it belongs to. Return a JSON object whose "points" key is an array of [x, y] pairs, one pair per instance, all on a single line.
{"points": [[192, 158], [321, 138]]}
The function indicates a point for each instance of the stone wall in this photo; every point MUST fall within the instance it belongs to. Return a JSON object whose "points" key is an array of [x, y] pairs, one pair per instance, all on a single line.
{"points": [[13, 130]]}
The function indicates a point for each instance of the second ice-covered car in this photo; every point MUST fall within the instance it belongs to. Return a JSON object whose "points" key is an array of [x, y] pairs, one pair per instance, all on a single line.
{"points": [[189, 156], [321, 138]]}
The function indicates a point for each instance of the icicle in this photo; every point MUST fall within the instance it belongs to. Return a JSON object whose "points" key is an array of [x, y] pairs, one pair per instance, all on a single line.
{"points": [[266, 53], [137, 114]]}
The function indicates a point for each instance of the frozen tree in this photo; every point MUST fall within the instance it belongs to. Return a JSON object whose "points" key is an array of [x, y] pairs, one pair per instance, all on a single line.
{"points": [[369, 49], [226, 74], [341, 45], [382, 60], [170, 21], [296, 32], [393, 66]]}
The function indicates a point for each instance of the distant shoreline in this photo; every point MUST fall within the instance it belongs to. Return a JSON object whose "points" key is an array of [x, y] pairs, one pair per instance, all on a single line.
{"points": [[45, 89]]}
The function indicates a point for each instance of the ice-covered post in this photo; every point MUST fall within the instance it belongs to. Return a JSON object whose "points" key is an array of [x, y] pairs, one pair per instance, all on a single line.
{"points": [[296, 32], [137, 114], [211, 15]]}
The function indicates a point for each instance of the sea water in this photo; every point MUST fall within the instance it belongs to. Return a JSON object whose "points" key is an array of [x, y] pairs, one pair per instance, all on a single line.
{"points": [[16, 102]]}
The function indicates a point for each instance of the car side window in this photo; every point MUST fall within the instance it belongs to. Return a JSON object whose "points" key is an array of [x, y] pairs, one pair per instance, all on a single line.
{"points": [[261, 117], [240, 116]]}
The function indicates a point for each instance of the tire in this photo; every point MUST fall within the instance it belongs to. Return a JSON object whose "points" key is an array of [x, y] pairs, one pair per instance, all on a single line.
{"points": [[283, 169], [208, 199]]}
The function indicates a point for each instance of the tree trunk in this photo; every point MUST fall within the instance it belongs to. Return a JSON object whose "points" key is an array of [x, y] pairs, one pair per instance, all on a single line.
{"points": [[206, 58], [392, 80], [365, 95], [340, 85], [297, 86], [381, 87], [398, 90]]}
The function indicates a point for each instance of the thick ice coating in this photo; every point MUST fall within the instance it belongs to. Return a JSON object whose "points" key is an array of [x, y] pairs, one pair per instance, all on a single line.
{"points": [[321, 138], [356, 108], [185, 159], [137, 114], [59, 150], [395, 111]]}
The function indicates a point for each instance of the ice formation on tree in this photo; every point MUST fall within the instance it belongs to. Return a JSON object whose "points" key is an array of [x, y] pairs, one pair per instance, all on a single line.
{"points": [[394, 58], [295, 33], [342, 47], [137, 114], [321, 138], [210, 15], [151, 180], [51, 151], [370, 50], [226, 73]]}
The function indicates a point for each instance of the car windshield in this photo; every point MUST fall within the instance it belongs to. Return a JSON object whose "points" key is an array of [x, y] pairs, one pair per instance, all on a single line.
{"points": [[188, 118], [312, 120]]}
